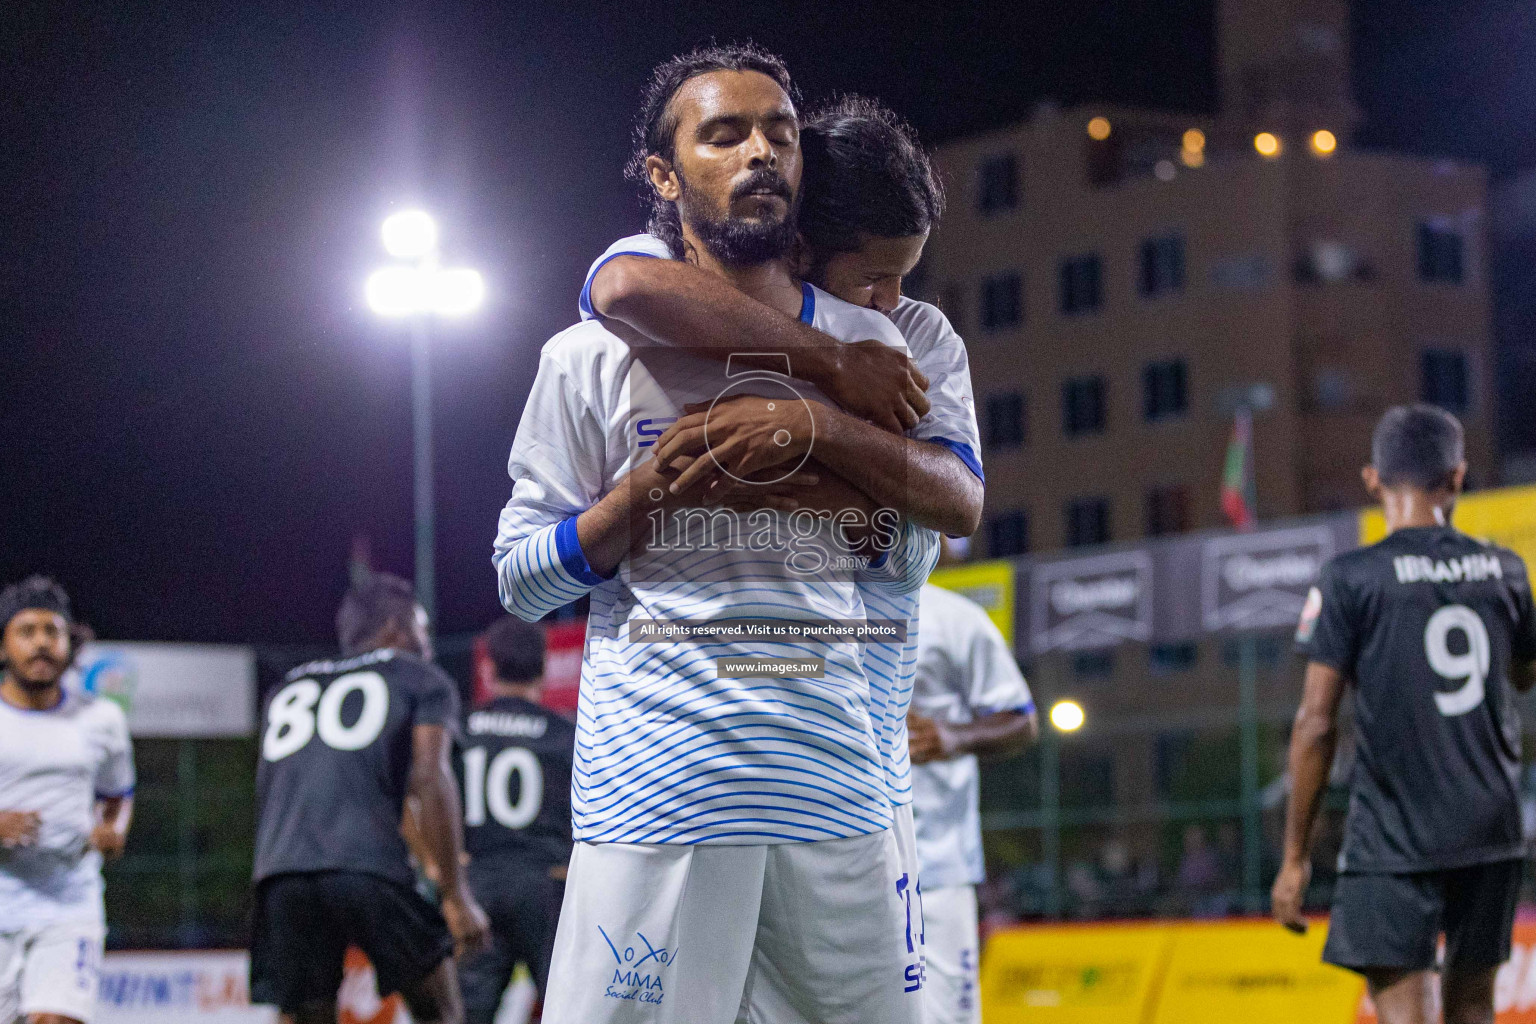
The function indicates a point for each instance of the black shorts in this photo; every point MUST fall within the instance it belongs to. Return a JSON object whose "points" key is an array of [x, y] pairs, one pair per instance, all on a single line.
{"points": [[305, 921], [1393, 922], [523, 903]]}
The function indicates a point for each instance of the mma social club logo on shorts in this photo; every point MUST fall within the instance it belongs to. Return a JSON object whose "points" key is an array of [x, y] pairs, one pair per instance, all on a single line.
{"points": [[637, 973]]}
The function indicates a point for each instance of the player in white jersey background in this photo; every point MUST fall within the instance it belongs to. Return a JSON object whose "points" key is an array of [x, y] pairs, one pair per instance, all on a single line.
{"points": [[66, 798], [870, 199], [734, 847], [969, 700]]}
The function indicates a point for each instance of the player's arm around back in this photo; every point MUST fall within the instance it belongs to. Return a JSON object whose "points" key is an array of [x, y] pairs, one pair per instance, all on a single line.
{"points": [[435, 795], [675, 303]]}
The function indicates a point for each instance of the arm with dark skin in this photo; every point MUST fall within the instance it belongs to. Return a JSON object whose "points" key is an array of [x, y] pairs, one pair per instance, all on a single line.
{"points": [[991, 737], [669, 302], [924, 482], [1313, 738], [113, 816], [435, 796]]}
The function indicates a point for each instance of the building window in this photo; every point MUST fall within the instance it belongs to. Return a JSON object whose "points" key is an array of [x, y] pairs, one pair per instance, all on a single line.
{"points": [[1167, 510], [1082, 406], [1165, 659], [1440, 253], [1008, 534], [1443, 379], [1080, 283], [1162, 266], [997, 183], [1163, 390], [1093, 664], [1087, 522], [1005, 420], [1002, 302]]}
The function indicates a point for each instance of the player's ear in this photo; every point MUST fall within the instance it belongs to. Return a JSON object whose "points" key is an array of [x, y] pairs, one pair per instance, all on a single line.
{"points": [[1458, 478], [1372, 481], [663, 178]]}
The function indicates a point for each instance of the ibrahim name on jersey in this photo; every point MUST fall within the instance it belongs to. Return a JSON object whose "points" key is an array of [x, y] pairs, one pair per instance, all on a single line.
{"points": [[1426, 623], [667, 751], [951, 422], [335, 762], [965, 671], [515, 774], [59, 762]]}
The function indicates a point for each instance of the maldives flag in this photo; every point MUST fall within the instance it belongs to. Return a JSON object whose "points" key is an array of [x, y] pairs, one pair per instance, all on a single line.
{"points": [[1238, 500]]}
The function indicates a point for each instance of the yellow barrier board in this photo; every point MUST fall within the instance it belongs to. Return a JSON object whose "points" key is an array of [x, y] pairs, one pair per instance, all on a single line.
{"points": [[1073, 974], [989, 584], [1247, 972], [1254, 972], [1506, 516]]}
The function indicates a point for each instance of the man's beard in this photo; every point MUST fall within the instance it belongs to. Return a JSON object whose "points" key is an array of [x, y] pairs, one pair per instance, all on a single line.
{"points": [[742, 241]]}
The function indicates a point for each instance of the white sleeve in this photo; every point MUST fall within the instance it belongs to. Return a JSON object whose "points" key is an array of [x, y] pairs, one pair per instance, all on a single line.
{"points": [[996, 684], [906, 567], [114, 774], [939, 352], [556, 467], [634, 245]]}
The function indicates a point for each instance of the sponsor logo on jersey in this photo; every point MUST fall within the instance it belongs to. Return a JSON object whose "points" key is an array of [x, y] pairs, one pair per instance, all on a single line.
{"points": [[637, 973], [650, 430], [1466, 569], [506, 723]]}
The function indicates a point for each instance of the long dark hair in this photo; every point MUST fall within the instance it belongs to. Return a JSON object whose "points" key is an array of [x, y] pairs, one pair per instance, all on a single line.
{"points": [[656, 126]]}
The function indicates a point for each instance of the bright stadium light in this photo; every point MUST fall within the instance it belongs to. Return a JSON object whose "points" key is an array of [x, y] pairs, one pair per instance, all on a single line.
{"points": [[417, 290], [1324, 142], [1067, 716], [455, 291], [1268, 145], [1099, 129], [408, 291], [410, 234]]}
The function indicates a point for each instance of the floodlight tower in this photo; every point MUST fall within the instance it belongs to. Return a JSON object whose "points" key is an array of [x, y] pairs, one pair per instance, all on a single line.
{"points": [[417, 290]]}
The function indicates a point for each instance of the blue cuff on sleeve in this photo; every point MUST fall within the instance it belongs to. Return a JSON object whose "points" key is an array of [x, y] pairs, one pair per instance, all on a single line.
{"points": [[585, 302], [967, 455], [125, 794], [572, 558]]}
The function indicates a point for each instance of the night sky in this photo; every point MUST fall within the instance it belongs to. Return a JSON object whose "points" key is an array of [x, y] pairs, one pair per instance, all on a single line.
{"points": [[197, 412]]}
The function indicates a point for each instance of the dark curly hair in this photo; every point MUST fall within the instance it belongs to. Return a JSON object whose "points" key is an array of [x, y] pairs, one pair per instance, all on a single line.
{"points": [[865, 174], [656, 126], [369, 606]]}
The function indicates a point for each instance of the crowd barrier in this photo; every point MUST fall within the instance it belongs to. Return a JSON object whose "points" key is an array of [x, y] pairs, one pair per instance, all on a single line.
{"points": [[1157, 972], [1176, 972]]}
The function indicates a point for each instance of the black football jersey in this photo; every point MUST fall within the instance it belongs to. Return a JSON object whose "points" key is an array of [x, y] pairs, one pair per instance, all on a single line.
{"points": [[335, 761], [1426, 624], [514, 769]]}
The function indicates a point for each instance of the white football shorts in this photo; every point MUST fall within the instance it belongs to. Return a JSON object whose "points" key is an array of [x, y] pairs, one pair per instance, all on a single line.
{"points": [[952, 991], [51, 968], [795, 932]]}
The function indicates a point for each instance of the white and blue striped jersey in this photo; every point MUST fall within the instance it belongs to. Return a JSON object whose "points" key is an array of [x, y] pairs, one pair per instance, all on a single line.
{"points": [[965, 671], [666, 751], [951, 421], [940, 354]]}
